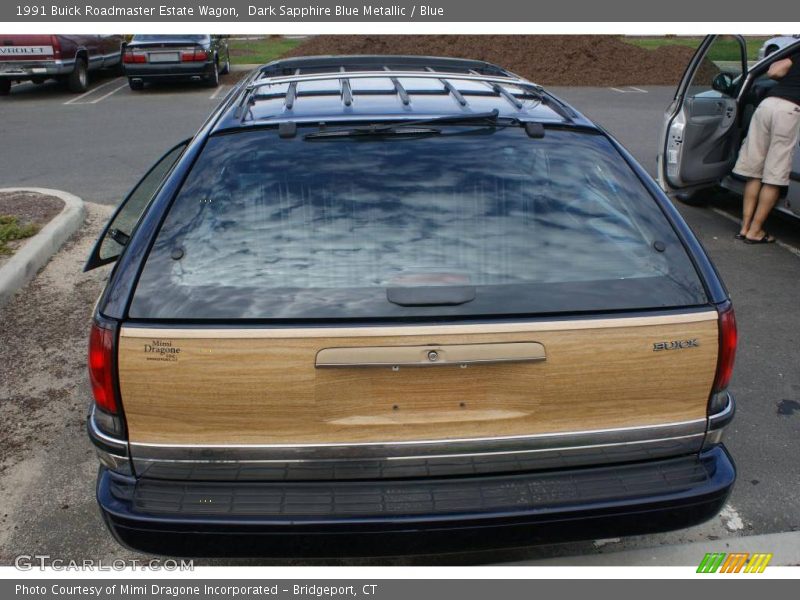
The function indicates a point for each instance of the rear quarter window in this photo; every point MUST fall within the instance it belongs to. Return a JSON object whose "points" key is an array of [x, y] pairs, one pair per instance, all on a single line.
{"points": [[295, 229]]}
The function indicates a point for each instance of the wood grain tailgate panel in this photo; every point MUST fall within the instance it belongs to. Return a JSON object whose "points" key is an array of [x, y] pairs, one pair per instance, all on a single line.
{"points": [[259, 387]]}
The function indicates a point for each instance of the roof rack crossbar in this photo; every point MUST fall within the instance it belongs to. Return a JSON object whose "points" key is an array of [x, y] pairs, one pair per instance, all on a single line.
{"points": [[507, 95], [347, 92], [454, 92], [401, 91]]}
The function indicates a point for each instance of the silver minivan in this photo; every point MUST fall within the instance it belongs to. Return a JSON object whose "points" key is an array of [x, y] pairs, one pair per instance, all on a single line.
{"points": [[707, 121]]}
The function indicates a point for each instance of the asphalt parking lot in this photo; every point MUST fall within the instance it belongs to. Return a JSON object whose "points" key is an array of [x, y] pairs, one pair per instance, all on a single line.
{"points": [[98, 144]]}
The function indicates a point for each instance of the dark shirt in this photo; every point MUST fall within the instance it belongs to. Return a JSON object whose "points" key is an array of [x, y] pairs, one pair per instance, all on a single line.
{"points": [[788, 86]]}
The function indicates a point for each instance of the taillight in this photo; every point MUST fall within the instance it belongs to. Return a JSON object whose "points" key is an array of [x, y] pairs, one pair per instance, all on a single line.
{"points": [[196, 55], [56, 43], [727, 348], [101, 368], [132, 56]]}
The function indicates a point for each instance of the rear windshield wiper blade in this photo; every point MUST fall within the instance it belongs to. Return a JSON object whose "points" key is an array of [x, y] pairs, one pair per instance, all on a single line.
{"points": [[408, 127], [490, 116], [396, 130]]}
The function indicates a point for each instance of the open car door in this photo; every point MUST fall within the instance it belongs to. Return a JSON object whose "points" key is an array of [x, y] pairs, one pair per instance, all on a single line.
{"points": [[702, 132]]}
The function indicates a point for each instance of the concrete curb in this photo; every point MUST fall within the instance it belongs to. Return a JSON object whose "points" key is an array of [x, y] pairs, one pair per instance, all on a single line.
{"points": [[37, 251], [785, 548]]}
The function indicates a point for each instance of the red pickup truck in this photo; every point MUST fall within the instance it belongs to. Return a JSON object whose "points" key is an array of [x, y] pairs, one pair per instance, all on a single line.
{"points": [[67, 58]]}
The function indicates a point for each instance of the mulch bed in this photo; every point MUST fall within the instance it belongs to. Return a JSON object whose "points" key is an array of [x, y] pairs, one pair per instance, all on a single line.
{"points": [[588, 60], [29, 208]]}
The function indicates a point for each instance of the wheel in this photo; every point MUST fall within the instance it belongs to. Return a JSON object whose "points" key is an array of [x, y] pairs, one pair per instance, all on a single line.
{"points": [[770, 50], [226, 68], [5, 87], [213, 78], [135, 84], [78, 80]]}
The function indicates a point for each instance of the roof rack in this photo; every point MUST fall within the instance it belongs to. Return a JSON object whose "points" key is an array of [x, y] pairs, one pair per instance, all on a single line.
{"points": [[344, 69], [304, 65]]}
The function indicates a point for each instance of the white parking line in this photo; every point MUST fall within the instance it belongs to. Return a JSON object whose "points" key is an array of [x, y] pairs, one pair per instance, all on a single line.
{"points": [[631, 90], [217, 92], [104, 96], [784, 245], [91, 91]]}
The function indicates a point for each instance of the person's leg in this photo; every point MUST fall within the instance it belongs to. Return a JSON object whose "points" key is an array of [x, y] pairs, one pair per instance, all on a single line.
{"points": [[750, 162], [767, 198], [751, 191]]}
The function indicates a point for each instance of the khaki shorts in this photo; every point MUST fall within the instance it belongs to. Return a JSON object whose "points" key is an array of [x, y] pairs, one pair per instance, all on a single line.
{"points": [[768, 149]]}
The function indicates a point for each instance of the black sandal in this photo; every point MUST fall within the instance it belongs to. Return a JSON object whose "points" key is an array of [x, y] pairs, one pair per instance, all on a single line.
{"points": [[767, 239], [739, 236]]}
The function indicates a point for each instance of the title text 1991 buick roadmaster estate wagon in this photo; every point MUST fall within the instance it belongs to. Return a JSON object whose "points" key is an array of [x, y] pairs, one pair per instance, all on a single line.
{"points": [[387, 304]]}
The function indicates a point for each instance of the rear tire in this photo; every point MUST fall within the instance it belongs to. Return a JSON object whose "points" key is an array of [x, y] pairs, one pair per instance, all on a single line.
{"points": [[78, 80], [5, 87], [226, 68], [213, 77], [770, 50], [135, 84]]}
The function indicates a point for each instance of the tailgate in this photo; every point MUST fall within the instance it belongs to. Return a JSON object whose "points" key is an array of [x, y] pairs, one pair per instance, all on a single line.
{"points": [[370, 385], [26, 47]]}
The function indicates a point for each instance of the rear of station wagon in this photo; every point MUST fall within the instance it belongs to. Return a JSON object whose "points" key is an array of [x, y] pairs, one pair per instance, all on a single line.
{"points": [[381, 305]]}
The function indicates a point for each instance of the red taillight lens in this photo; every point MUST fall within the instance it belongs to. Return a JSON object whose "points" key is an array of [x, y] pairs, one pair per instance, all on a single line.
{"points": [[56, 44], [727, 348], [101, 368], [134, 57], [196, 55]]}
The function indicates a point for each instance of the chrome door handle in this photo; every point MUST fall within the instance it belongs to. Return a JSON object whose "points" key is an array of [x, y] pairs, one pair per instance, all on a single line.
{"points": [[430, 355]]}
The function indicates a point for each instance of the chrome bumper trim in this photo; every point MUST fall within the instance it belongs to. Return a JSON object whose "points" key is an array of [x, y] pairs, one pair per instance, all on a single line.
{"points": [[718, 422], [722, 418], [415, 448], [112, 452], [418, 459]]}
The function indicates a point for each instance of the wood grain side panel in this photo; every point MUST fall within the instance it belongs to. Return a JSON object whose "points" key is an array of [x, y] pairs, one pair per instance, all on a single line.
{"points": [[240, 390]]}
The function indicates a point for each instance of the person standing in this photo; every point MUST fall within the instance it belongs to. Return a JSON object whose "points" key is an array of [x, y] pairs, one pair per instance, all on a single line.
{"points": [[765, 158]]}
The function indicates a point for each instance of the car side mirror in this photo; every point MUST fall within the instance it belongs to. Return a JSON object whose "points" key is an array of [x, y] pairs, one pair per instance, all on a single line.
{"points": [[723, 83]]}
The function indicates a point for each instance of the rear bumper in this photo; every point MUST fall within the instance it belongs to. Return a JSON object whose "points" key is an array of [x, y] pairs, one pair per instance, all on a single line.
{"points": [[415, 515], [168, 72], [21, 70]]}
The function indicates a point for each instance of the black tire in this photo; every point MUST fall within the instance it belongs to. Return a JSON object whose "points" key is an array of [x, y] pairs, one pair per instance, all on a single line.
{"points": [[78, 80], [212, 80], [135, 84], [696, 198], [770, 50], [5, 87], [226, 68]]}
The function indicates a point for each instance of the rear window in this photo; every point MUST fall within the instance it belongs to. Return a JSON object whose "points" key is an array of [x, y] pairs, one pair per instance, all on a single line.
{"points": [[170, 38], [476, 221]]}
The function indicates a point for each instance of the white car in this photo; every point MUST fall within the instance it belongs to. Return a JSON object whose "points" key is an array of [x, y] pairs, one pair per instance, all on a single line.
{"points": [[776, 43]]}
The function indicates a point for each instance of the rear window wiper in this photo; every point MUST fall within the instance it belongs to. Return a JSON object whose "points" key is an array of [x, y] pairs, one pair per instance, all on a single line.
{"points": [[416, 127], [396, 130]]}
